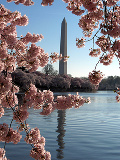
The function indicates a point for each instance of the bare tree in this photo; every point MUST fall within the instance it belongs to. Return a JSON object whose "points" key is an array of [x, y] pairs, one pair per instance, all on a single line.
{"points": [[49, 70]]}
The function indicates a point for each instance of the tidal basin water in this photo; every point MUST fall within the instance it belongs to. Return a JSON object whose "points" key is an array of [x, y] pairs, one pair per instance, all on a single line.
{"points": [[91, 132]]}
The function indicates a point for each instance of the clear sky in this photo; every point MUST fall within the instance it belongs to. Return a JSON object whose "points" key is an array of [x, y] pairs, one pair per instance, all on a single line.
{"points": [[47, 21]]}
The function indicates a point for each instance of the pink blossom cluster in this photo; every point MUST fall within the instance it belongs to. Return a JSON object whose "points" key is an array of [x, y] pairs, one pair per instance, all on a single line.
{"points": [[30, 2], [5, 86], [95, 77], [43, 59], [8, 98], [104, 43], [90, 5], [111, 24], [33, 136], [20, 115], [107, 46], [104, 15], [33, 57], [2, 154], [19, 54], [8, 36], [90, 21], [37, 100], [112, 2], [55, 56], [31, 38], [47, 108], [24, 2], [74, 7], [63, 102], [47, 2], [48, 96], [65, 58], [95, 52], [106, 59], [45, 101], [116, 48], [16, 52], [80, 42], [1, 111], [38, 152], [8, 134], [118, 94], [36, 57]]}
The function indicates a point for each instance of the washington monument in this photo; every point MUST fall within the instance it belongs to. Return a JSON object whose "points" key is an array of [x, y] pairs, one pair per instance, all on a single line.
{"points": [[63, 47]]}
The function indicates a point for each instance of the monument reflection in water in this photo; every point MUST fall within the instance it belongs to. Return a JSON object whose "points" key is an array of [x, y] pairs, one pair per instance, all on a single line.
{"points": [[60, 138]]}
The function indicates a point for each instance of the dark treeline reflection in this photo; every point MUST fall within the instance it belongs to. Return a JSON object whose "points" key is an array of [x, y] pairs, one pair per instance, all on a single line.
{"points": [[60, 138]]}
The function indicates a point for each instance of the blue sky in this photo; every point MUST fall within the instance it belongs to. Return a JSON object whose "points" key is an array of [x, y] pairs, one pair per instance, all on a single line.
{"points": [[47, 21]]}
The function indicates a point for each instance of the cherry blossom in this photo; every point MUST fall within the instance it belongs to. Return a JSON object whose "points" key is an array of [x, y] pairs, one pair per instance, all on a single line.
{"points": [[102, 14], [118, 98], [20, 47], [1, 111], [44, 58], [32, 38], [39, 98], [12, 136], [48, 96], [80, 42], [54, 57], [70, 101], [116, 48], [75, 7], [47, 2], [104, 43], [47, 109], [8, 134], [5, 86], [33, 136], [95, 52], [38, 152], [2, 154], [95, 77], [3, 50], [90, 5], [107, 59], [9, 100], [18, 51], [20, 115], [112, 2], [65, 58], [24, 2], [3, 131], [118, 94], [22, 21]]}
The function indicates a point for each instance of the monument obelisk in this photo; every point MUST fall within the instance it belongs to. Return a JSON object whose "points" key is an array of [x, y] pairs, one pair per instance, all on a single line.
{"points": [[63, 47]]}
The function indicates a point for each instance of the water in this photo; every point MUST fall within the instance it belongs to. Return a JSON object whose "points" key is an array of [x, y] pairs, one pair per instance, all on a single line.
{"points": [[91, 132]]}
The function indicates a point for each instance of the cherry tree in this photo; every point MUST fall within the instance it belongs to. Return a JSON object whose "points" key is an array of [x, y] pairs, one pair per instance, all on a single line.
{"points": [[15, 51]]}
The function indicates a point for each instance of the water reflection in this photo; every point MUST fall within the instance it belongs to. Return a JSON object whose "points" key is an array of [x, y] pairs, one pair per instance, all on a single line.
{"points": [[61, 123]]}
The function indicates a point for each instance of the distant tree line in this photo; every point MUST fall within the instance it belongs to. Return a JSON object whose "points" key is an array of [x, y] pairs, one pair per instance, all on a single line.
{"points": [[109, 83], [56, 83], [50, 79]]}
